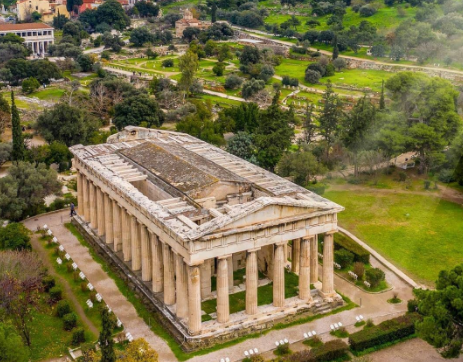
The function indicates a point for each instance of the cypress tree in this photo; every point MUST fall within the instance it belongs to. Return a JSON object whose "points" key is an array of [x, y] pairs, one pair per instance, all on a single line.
{"points": [[382, 104], [106, 340], [17, 154], [335, 48]]}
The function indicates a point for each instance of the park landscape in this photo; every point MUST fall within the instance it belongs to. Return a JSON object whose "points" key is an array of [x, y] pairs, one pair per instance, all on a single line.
{"points": [[357, 101]]}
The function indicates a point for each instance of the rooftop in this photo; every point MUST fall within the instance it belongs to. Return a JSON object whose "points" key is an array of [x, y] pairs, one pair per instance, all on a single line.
{"points": [[25, 26], [179, 172]]}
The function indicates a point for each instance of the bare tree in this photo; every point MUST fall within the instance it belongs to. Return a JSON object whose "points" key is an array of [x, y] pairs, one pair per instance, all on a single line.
{"points": [[70, 89]]}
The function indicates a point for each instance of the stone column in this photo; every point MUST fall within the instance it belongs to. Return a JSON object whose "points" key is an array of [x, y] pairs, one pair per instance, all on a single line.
{"points": [[100, 212], [146, 272], [279, 276], [194, 300], [135, 243], [126, 241], [181, 283], [205, 270], [108, 216], [85, 193], [92, 204], [295, 257], [304, 271], [117, 226], [223, 305], [328, 273], [251, 281], [80, 201], [314, 259], [157, 264], [169, 275], [230, 274]]}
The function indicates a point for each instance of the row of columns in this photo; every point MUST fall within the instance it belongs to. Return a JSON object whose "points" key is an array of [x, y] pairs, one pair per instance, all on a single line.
{"points": [[39, 47], [186, 285]]}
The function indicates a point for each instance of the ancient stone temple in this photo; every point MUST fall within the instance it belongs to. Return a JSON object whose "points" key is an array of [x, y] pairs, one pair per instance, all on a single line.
{"points": [[181, 216]]}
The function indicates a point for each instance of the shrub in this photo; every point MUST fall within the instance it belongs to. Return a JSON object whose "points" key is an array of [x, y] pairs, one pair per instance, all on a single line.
{"points": [[83, 286], [63, 308], [55, 294], [447, 176], [30, 85], [427, 184], [367, 10], [282, 349], [254, 358], [48, 282], [329, 70], [339, 64], [317, 67], [69, 268], [360, 254], [369, 323], [412, 305], [343, 257], [312, 76], [78, 336], [319, 189], [385, 332], [70, 321], [374, 276], [402, 176], [329, 351], [218, 69], [168, 63], [233, 82], [359, 269]]}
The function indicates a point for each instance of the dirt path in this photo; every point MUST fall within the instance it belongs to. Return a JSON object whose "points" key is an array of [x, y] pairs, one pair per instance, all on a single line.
{"points": [[43, 254], [444, 192]]}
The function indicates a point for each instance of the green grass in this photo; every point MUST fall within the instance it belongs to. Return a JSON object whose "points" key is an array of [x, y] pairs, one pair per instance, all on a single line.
{"points": [[157, 328], [418, 233], [340, 333], [48, 94]]}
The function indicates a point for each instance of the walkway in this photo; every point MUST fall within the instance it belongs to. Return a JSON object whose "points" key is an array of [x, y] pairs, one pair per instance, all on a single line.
{"points": [[102, 282]]}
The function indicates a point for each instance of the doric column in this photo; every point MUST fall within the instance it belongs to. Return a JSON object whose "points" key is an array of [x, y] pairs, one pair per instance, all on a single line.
{"points": [[80, 201], [85, 194], [314, 259], [157, 266], [117, 226], [136, 244], [205, 270], [230, 274], [194, 300], [146, 272], [92, 203], [126, 240], [295, 257], [279, 276], [181, 284], [108, 216], [169, 275], [304, 271], [251, 281], [100, 212], [223, 306], [328, 276]]}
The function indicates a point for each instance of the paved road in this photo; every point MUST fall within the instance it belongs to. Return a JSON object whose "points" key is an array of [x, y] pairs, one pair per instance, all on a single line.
{"points": [[103, 284]]}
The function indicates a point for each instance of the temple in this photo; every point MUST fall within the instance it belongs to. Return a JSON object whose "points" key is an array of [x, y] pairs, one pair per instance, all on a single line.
{"points": [[183, 216]]}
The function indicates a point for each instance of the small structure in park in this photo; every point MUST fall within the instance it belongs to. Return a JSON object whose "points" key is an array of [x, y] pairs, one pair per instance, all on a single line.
{"points": [[188, 21], [172, 212]]}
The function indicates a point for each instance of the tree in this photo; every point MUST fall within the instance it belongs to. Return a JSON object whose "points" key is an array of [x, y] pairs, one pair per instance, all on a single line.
{"points": [[312, 76], [140, 36], [335, 48], [252, 87], [105, 339], [68, 124], [309, 124], [330, 117], [302, 166], [112, 41], [30, 85], [15, 236], [85, 62], [5, 152], [273, 134], [138, 110], [191, 33], [249, 55], [146, 8], [233, 82], [17, 154], [382, 104], [138, 351], [356, 126], [151, 54], [241, 145], [5, 113], [224, 53], [188, 65], [44, 70], [12, 348], [218, 69], [59, 21], [20, 282], [240, 118], [111, 13]]}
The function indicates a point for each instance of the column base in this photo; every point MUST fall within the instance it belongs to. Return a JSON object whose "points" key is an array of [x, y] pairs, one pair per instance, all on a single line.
{"points": [[327, 296], [318, 285]]}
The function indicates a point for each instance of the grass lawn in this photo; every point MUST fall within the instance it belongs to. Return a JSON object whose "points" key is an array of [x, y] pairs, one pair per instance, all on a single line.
{"points": [[420, 234], [48, 94]]}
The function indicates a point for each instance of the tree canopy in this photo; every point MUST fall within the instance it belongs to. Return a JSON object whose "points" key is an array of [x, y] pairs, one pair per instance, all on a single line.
{"points": [[138, 110]]}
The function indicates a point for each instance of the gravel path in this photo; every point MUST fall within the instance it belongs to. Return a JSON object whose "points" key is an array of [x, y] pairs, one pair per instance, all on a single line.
{"points": [[106, 286]]}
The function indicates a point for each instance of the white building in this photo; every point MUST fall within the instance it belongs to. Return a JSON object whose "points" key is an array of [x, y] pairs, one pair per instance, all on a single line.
{"points": [[37, 36]]}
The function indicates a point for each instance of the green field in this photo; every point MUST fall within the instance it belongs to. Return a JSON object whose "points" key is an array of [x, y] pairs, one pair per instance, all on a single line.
{"points": [[420, 234]]}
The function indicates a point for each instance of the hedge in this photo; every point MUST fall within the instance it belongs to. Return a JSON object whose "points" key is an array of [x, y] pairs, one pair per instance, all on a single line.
{"points": [[63, 308], [69, 321], [343, 241], [385, 332], [329, 351]]}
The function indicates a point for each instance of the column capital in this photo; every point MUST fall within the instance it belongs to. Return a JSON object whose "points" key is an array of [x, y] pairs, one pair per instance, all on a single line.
{"points": [[331, 232], [253, 250], [194, 263], [281, 243], [224, 256]]}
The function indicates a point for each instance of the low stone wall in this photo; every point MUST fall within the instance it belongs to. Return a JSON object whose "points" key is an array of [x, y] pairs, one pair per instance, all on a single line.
{"points": [[165, 317]]}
